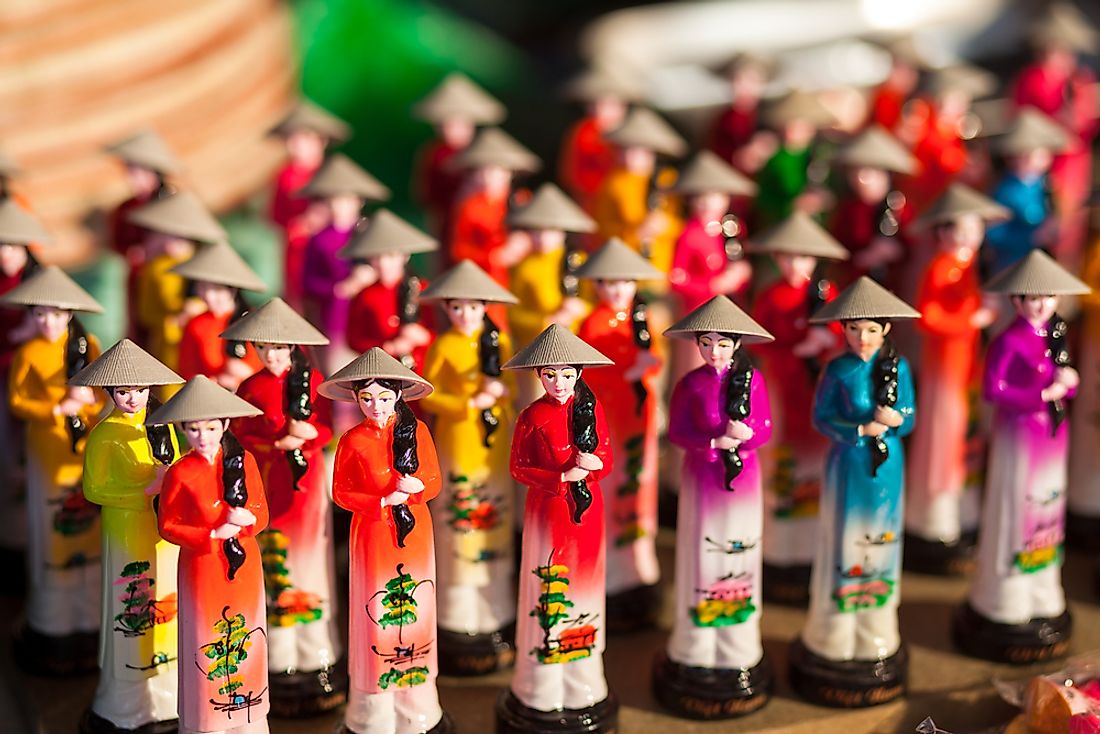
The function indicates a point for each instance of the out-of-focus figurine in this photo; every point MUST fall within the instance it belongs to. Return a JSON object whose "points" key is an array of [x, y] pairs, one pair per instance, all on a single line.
{"points": [[941, 499], [888, 100], [286, 441], [794, 465], [63, 561], [561, 451], [1016, 610], [784, 180], [735, 135], [386, 472], [472, 406], [124, 462], [850, 652], [212, 505], [714, 666]]}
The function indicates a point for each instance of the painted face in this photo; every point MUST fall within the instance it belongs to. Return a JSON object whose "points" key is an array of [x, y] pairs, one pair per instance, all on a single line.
{"points": [[346, 210], [130, 399], [205, 436], [796, 269], [1036, 309], [619, 294], [390, 267], [274, 357], [870, 184], [710, 206], [466, 316], [220, 299], [547, 240], [965, 235], [51, 323], [797, 134], [143, 181], [954, 104], [747, 84], [12, 259], [559, 381], [638, 160], [377, 403], [608, 112], [1033, 163], [495, 181], [716, 349], [306, 148], [865, 337], [457, 132]]}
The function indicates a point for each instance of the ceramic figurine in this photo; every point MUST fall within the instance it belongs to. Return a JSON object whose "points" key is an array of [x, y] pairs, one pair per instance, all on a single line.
{"points": [[218, 274], [1016, 610], [941, 499], [784, 180], [454, 108], [386, 472], [850, 653], [794, 464], [296, 547], [888, 100], [472, 406], [212, 505], [561, 451], [714, 666], [735, 135], [124, 462], [63, 562]]}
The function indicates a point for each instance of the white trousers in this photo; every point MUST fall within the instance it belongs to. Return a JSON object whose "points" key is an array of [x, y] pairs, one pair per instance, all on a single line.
{"points": [[412, 710]]}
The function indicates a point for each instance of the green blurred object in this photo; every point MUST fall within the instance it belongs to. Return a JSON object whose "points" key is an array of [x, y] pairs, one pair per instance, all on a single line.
{"points": [[105, 280], [261, 245]]}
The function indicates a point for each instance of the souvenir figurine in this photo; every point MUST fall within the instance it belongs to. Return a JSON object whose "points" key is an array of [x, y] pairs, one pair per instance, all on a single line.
{"points": [[212, 505], [735, 135], [124, 462], [63, 571], [561, 451], [850, 652], [218, 274], [794, 461], [386, 472], [296, 548], [473, 519], [1016, 610], [619, 327], [714, 666], [941, 499], [888, 100], [784, 180], [454, 108]]}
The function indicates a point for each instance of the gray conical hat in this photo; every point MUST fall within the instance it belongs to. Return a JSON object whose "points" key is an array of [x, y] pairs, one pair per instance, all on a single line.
{"points": [[721, 315], [1064, 25], [340, 175], [799, 234], [274, 323], [903, 49], [202, 400], [308, 116], [8, 166], [180, 215], [17, 227], [148, 150], [386, 232], [458, 97], [617, 260], [960, 199], [125, 365], [876, 148], [550, 208], [799, 105], [375, 364], [707, 173], [556, 345], [50, 286], [600, 82], [220, 264], [494, 147], [644, 128], [1031, 130], [467, 281], [1036, 275], [961, 78], [864, 299]]}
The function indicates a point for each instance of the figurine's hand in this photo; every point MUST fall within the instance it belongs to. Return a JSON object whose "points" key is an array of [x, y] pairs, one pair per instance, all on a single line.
{"points": [[874, 429], [289, 443], [882, 251], [23, 332], [817, 341], [192, 307], [395, 498], [517, 246], [644, 362], [400, 346], [483, 401], [228, 380], [733, 278], [725, 443], [811, 201], [416, 333], [888, 416], [653, 225], [67, 407], [225, 531], [589, 462], [1056, 391], [983, 317], [495, 387], [241, 516], [82, 394], [302, 429], [574, 475], [739, 431], [1068, 377], [410, 485]]}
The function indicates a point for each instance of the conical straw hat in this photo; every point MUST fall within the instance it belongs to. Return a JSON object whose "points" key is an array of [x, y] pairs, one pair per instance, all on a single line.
{"points": [[494, 147], [903, 49], [180, 215], [202, 400], [8, 166], [964, 78], [799, 234], [550, 208], [644, 128], [17, 227], [799, 105], [1030, 130], [958, 200], [707, 173], [599, 82], [274, 323], [747, 60], [556, 345], [1065, 26], [466, 281], [616, 260], [723, 316], [50, 286], [458, 97], [148, 150], [308, 116], [125, 365], [1036, 275], [386, 232], [220, 264], [340, 175], [375, 364], [876, 148], [864, 299]]}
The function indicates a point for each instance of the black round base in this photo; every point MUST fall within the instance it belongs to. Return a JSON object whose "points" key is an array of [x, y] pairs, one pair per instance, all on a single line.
{"points": [[39, 654], [936, 558], [469, 655], [515, 718], [787, 585], [1082, 532], [300, 695], [445, 726], [711, 693], [847, 684], [1035, 641], [13, 572], [93, 723], [633, 610]]}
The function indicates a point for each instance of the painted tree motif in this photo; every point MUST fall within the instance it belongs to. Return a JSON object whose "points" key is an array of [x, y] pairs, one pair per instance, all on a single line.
{"points": [[141, 610], [286, 604], [398, 600], [226, 654], [862, 585], [553, 608]]}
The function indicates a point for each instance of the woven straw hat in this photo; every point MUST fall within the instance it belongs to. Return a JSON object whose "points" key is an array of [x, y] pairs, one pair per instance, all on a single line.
{"points": [[375, 364], [202, 400], [274, 323], [148, 150], [50, 286], [617, 260], [1036, 275], [180, 215], [644, 128], [339, 176], [723, 316], [466, 281], [707, 173], [799, 234], [494, 147], [386, 232], [966, 78], [799, 105], [876, 148], [556, 345], [125, 365], [958, 200], [18, 227], [308, 116], [220, 264], [458, 97], [1065, 26], [1030, 130], [599, 82], [550, 208], [864, 299]]}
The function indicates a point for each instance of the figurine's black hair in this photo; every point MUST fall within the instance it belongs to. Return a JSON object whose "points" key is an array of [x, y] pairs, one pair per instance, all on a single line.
{"points": [[737, 404], [76, 359], [1058, 348], [639, 328], [406, 460], [884, 390], [235, 494], [237, 349], [488, 355], [585, 438], [299, 407]]}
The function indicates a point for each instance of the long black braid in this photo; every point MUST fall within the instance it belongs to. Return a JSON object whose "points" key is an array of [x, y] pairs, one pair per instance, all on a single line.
{"points": [[1058, 348], [582, 430], [816, 295], [237, 349], [639, 327], [235, 494], [737, 404], [76, 359], [159, 435], [884, 389], [408, 309], [406, 459], [488, 356], [298, 403]]}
